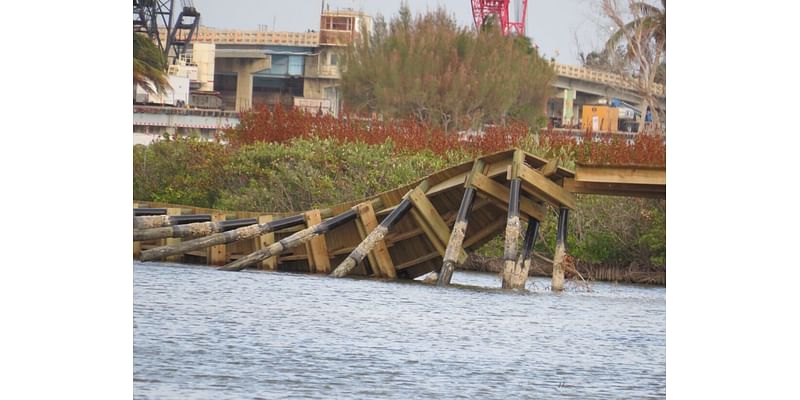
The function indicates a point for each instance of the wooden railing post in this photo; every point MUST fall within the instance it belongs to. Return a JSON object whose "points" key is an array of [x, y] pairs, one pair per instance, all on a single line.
{"points": [[137, 245], [173, 241], [264, 241], [379, 257], [318, 258], [218, 255]]}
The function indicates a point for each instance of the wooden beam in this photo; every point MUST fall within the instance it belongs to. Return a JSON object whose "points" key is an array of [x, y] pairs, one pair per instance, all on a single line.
{"points": [[427, 214], [516, 163], [551, 168], [485, 231], [264, 241], [362, 233], [545, 188], [622, 174], [616, 189], [428, 231], [478, 167], [317, 249], [418, 260], [500, 193], [381, 261]]}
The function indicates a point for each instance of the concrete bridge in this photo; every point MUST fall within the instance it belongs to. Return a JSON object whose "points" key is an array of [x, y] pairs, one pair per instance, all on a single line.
{"points": [[600, 84], [301, 69]]}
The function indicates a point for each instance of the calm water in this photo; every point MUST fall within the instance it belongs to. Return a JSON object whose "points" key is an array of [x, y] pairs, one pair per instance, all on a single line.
{"points": [[200, 333]]}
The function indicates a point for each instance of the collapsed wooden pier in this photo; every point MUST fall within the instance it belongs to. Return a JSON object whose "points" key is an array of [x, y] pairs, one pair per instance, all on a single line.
{"points": [[404, 233]]}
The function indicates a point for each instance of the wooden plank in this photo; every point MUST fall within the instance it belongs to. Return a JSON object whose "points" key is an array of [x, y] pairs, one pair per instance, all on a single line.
{"points": [[265, 240], [428, 231], [616, 189], [621, 174], [418, 260], [497, 168], [173, 241], [380, 252], [551, 168], [538, 162], [546, 188], [427, 212], [493, 228], [218, 255], [319, 261], [500, 193], [450, 183]]}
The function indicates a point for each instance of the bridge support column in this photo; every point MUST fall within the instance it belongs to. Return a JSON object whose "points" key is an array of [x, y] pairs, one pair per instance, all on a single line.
{"points": [[244, 69], [561, 251], [244, 90]]}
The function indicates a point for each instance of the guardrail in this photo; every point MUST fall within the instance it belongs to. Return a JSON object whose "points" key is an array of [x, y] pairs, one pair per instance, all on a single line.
{"points": [[608, 78]]}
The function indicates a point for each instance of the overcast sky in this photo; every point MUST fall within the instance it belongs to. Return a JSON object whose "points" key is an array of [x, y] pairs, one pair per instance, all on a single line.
{"points": [[552, 24]]}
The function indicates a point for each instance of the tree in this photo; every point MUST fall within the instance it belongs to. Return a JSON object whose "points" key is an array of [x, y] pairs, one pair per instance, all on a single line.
{"points": [[149, 65], [644, 41], [443, 75]]}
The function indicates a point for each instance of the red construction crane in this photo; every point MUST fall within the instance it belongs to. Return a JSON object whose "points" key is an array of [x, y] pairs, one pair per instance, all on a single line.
{"points": [[482, 9]]}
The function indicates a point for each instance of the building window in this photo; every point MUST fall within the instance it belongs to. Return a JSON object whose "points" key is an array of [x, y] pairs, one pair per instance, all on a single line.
{"points": [[334, 59]]}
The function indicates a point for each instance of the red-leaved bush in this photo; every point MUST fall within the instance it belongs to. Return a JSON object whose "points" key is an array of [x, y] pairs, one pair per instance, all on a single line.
{"points": [[280, 125]]}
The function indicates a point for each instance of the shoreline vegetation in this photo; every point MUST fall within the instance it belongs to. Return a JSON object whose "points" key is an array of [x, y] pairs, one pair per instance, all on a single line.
{"points": [[284, 160]]}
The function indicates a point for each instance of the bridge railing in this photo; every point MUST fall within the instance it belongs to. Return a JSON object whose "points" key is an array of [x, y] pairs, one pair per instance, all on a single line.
{"points": [[608, 78], [235, 36]]}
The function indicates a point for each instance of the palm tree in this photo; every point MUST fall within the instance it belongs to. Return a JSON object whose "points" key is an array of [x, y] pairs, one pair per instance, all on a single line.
{"points": [[148, 65], [650, 20], [645, 45]]}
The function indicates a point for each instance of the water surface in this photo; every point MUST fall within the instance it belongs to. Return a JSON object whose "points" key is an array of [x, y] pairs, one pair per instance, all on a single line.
{"points": [[200, 333]]}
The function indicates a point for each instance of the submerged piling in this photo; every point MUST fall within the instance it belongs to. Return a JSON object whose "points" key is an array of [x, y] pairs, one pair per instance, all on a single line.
{"points": [[559, 258], [221, 238], [193, 230], [454, 245], [291, 241], [157, 221], [510, 279], [518, 276]]}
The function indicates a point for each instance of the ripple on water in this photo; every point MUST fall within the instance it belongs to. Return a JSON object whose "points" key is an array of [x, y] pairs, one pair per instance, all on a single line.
{"points": [[203, 333]]}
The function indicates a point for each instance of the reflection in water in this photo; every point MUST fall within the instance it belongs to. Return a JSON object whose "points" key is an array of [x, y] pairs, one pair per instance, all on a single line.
{"points": [[203, 333]]}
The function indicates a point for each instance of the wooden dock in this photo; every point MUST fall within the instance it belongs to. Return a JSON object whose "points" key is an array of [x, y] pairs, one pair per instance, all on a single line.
{"points": [[399, 234]]}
